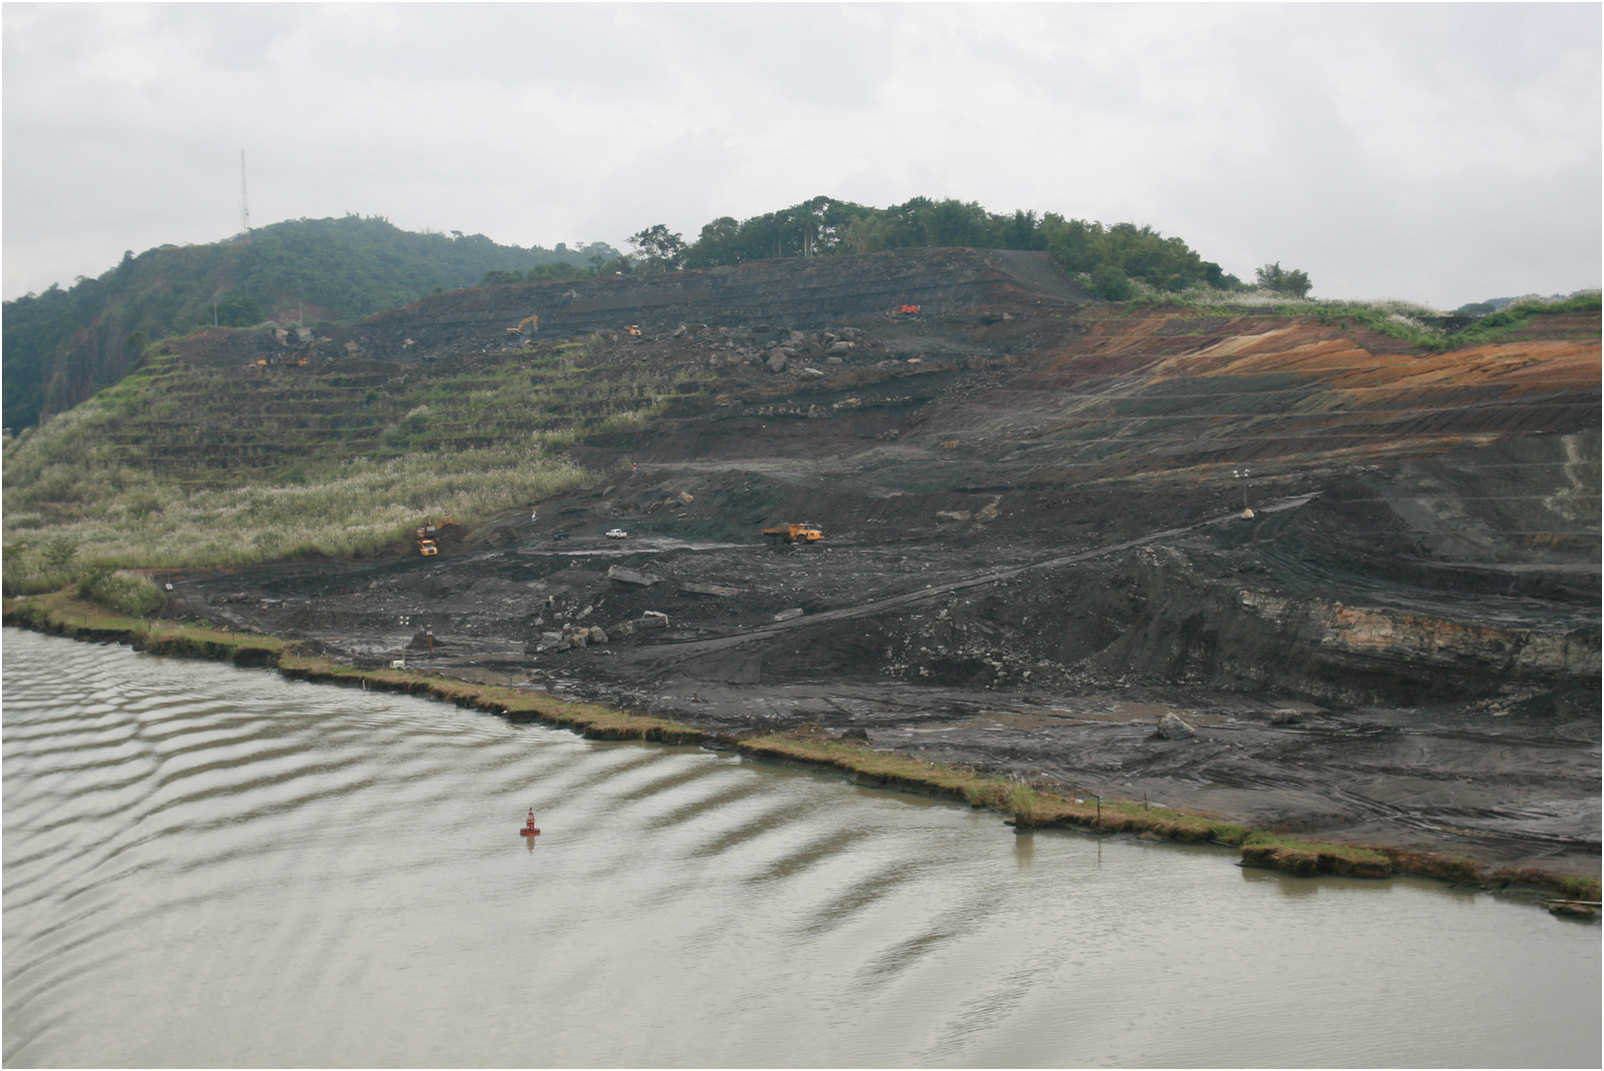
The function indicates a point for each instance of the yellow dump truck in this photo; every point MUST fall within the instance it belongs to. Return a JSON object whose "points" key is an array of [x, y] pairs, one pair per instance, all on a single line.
{"points": [[799, 532], [426, 544]]}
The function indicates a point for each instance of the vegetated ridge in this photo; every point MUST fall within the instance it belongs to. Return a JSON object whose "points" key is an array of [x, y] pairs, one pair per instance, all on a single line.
{"points": [[1292, 570], [64, 344]]}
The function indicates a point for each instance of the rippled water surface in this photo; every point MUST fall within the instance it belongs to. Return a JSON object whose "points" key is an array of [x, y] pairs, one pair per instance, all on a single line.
{"points": [[210, 866]]}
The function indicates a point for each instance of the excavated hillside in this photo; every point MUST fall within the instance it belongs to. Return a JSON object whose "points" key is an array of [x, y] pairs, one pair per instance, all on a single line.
{"points": [[1366, 578]]}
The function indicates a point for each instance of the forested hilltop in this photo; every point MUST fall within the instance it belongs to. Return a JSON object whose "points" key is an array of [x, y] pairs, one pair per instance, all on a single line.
{"points": [[64, 344], [1112, 256]]}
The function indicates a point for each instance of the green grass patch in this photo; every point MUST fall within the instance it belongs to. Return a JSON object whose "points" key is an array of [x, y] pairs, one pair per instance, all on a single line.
{"points": [[1309, 858], [63, 613], [180, 466], [123, 592], [586, 719], [1410, 323], [1026, 806], [882, 768]]}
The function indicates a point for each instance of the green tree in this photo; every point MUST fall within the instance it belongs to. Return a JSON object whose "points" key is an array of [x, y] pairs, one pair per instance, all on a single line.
{"points": [[60, 552], [660, 248], [719, 243], [238, 310], [1110, 284], [1274, 277]]}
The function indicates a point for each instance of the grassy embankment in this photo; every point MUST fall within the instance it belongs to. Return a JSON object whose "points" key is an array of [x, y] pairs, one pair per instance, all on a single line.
{"points": [[182, 467], [63, 613], [1403, 320]]}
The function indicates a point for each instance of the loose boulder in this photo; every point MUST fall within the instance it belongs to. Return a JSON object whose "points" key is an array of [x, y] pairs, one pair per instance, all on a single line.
{"points": [[719, 591], [622, 575], [1171, 727]]}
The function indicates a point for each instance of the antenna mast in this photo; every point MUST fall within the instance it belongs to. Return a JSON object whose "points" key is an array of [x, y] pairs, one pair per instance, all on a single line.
{"points": [[244, 204]]}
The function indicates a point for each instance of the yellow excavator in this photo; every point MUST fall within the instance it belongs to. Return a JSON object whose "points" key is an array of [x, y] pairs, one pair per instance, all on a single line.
{"points": [[527, 326], [799, 532]]}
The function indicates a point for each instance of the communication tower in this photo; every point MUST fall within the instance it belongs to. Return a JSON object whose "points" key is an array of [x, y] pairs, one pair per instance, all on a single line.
{"points": [[244, 203]]}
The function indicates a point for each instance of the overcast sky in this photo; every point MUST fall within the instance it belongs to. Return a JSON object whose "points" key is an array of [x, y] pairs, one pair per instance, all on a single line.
{"points": [[1441, 153]]}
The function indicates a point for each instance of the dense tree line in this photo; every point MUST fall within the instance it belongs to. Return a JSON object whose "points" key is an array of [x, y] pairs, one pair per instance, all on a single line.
{"points": [[64, 344], [1110, 256]]}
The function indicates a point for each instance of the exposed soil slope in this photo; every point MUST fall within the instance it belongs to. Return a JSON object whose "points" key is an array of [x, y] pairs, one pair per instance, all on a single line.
{"points": [[1036, 543]]}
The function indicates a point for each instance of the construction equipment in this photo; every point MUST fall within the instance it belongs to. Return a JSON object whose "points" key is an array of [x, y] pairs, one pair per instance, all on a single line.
{"points": [[527, 326], [907, 310], [634, 330], [794, 532], [426, 544]]}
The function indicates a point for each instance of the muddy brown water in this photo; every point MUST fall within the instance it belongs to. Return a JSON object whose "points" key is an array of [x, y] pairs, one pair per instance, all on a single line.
{"points": [[210, 866]]}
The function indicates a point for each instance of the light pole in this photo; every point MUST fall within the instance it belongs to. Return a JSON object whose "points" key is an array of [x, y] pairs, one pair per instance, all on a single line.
{"points": [[1242, 474]]}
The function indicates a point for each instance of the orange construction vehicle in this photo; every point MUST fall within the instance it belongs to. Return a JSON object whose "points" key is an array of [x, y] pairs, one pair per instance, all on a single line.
{"points": [[907, 310], [800, 532], [527, 326], [426, 544]]}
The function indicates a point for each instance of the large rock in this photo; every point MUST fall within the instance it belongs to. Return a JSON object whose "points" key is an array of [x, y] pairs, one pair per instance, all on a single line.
{"points": [[632, 576], [1171, 727], [718, 591]]}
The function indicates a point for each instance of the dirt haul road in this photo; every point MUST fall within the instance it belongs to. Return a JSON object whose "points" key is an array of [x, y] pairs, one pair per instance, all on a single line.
{"points": [[1036, 546]]}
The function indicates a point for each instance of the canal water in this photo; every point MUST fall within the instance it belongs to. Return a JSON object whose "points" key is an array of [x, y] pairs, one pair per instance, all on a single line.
{"points": [[206, 866]]}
